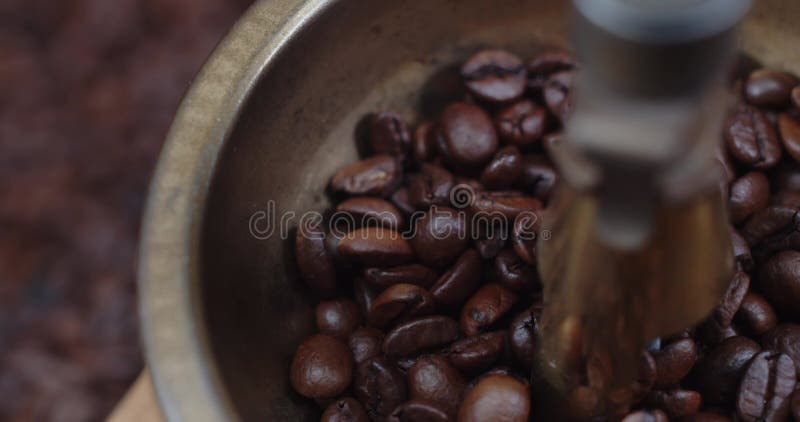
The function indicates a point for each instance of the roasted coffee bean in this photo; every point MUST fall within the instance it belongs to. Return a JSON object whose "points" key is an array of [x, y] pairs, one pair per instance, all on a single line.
{"points": [[512, 272], [755, 315], [417, 411], [741, 252], [400, 302], [441, 236], [777, 228], [346, 409], [375, 246], [751, 138], [313, 260], [723, 315], [467, 136], [786, 176], [779, 279], [400, 199], [646, 416], [674, 361], [485, 308], [788, 199], [524, 334], [322, 367], [423, 144], [785, 338], [705, 417], [459, 283], [363, 294], [416, 274], [378, 175], [476, 354], [419, 335], [494, 75], [789, 129], [490, 240], [749, 194], [769, 88], [717, 374], [365, 343], [521, 123], [795, 410], [645, 376], [557, 94], [676, 402], [496, 398], [435, 379], [766, 388], [369, 211], [538, 177], [380, 386], [338, 317], [508, 204], [431, 185], [504, 169], [388, 134], [545, 64], [525, 234], [711, 333]]}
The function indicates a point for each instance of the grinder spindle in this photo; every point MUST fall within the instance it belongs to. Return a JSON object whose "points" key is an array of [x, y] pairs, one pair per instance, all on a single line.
{"points": [[640, 246]]}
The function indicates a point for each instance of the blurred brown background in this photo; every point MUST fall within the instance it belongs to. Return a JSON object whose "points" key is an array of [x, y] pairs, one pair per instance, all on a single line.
{"points": [[87, 91]]}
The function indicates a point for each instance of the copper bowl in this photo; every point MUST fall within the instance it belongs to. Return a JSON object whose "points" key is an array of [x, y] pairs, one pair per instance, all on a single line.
{"points": [[270, 117]]}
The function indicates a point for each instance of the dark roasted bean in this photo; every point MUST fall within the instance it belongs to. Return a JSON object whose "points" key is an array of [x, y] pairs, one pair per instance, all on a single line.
{"points": [[338, 317], [400, 302], [523, 335], [476, 354], [416, 274], [766, 388], [322, 367], [417, 411], [363, 294], [769, 88], [676, 402], [378, 175], [674, 361], [784, 338], [646, 416], [485, 307], [755, 315], [795, 410], [365, 343], [494, 75], [775, 229], [705, 417], [496, 398], [645, 376], [512, 272], [380, 386], [430, 186], [521, 123], [504, 169], [717, 374], [490, 240], [375, 246], [509, 204], [741, 252], [400, 199], [434, 378], [751, 139], [419, 335], [789, 129], [749, 194], [723, 315], [787, 176], [441, 236], [539, 177], [423, 145], [525, 234], [368, 211], [557, 94], [346, 409], [545, 64], [313, 260], [388, 134], [467, 136], [459, 283], [779, 279]]}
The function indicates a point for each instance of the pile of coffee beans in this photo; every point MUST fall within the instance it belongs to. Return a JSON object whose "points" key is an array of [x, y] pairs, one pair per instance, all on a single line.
{"points": [[426, 314]]}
